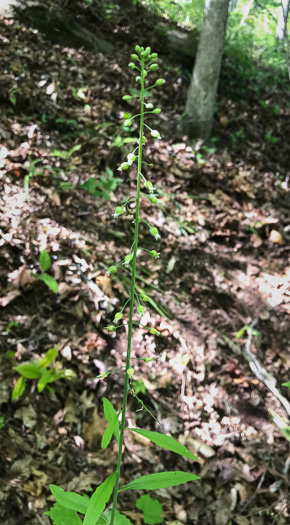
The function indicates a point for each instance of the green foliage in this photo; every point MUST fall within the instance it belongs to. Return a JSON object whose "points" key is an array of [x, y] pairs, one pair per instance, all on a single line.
{"points": [[63, 516], [2, 422], [32, 172], [45, 263], [65, 154], [99, 500], [160, 480], [286, 384], [38, 369], [164, 441], [281, 423], [139, 386], [152, 509], [246, 328], [104, 186]]}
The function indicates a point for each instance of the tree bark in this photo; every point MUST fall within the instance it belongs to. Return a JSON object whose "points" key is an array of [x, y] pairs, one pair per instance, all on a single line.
{"points": [[281, 31], [202, 93]]}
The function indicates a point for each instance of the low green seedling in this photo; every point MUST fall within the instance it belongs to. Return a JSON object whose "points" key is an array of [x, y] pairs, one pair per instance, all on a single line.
{"points": [[104, 186], [38, 370], [45, 264], [270, 138], [2, 422], [94, 509], [246, 329], [65, 154], [32, 172]]}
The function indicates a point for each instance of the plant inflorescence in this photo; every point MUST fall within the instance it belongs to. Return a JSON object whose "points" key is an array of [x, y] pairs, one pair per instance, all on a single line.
{"points": [[69, 503]]}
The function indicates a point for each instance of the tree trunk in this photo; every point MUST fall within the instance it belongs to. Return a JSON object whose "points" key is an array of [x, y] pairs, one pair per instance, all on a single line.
{"points": [[281, 30], [202, 93]]}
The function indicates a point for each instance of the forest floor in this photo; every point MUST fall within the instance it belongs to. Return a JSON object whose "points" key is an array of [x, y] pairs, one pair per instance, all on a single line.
{"points": [[223, 268]]}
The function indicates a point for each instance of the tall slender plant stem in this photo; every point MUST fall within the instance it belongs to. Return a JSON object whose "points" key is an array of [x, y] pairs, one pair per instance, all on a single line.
{"points": [[132, 296]]}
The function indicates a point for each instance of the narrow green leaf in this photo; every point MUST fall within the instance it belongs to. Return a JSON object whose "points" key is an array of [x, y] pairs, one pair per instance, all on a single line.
{"points": [[49, 281], [107, 436], [161, 480], [99, 500], [165, 442], [18, 389], [110, 415], [44, 260], [49, 357], [156, 307], [70, 500], [29, 370], [286, 384]]}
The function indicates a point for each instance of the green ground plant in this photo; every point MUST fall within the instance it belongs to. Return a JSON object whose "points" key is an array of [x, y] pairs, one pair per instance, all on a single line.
{"points": [[69, 504], [38, 370], [45, 264]]}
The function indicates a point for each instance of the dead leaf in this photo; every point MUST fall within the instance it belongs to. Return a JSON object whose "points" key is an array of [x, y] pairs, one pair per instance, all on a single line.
{"points": [[276, 237], [94, 431]]}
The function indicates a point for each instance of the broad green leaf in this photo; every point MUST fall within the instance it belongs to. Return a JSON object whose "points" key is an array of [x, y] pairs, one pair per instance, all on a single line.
{"points": [[99, 500], [165, 442], [286, 384], [119, 519], [44, 260], [49, 281], [61, 515], [90, 185], [110, 415], [49, 357], [107, 436], [161, 480], [46, 378], [152, 509], [18, 389], [70, 500], [29, 370]]}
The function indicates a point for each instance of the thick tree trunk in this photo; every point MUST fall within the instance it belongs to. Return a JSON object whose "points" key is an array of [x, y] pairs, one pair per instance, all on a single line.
{"points": [[281, 30], [202, 93]]}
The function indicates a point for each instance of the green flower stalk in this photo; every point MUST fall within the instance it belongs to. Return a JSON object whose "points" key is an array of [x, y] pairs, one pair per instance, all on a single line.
{"points": [[141, 57], [93, 509]]}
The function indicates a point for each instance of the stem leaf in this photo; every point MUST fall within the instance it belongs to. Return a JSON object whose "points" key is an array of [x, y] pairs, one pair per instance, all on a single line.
{"points": [[164, 441], [99, 499], [70, 500], [160, 480], [111, 415]]}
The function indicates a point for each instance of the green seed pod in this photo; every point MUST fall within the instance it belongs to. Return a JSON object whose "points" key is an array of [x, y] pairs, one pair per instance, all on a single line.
{"points": [[148, 50], [135, 57], [131, 158], [113, 269], [139, 80], [128, 259], [154, 254], [111, 328], [124, 166], [153, 231], [160, 81], [118, 211], [155, 133], [154, 200], [130, 371], [144, 297], [148, 359], [143, 140], [118, 316], [154, 56], [153, 67], [149, 106], [131, 65], [149, 185], [128, 123], [153, 331], [137, 49], [141, 310], [156, 111], [127, 97]]}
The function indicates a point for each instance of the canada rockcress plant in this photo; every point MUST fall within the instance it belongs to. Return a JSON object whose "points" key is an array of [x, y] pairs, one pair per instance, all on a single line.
{"points": [[68, 504]]}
